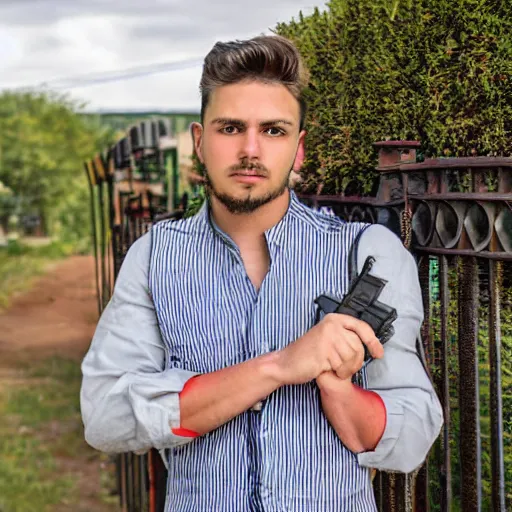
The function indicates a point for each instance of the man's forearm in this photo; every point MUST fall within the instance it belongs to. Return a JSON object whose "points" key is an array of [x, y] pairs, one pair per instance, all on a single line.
{"points": [[357, 415], [215, 398]]}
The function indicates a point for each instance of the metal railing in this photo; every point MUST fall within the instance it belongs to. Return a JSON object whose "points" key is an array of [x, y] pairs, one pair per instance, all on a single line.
{"points": [[455, 215], [121, 211]]}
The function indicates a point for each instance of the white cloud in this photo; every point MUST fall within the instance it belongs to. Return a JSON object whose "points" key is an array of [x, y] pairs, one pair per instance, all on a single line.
{"points": [[41, 40], [176, 90], [11, 50]]}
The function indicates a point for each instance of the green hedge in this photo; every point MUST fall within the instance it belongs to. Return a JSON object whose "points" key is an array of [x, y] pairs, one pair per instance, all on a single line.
{"points": [[438, 71]]}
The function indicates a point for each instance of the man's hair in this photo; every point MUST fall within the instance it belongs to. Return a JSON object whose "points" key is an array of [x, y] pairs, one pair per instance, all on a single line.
{"points": [[267, 59]]}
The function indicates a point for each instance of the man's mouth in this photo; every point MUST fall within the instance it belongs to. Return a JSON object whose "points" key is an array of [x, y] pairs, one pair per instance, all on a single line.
{"points": [[248, 176], [249, 172]]}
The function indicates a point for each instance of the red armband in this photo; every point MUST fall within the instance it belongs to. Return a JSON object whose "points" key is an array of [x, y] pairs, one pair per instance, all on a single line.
{"points": [[185, 432], [376, 399], [187, 385]]}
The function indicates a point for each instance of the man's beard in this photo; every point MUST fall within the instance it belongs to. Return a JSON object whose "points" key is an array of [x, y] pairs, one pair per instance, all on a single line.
{"points": [[249, 204]]}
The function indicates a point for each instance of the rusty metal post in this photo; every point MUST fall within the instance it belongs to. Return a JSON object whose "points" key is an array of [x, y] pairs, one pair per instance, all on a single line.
{"points": [[393, 492], [117, 248], [421, 500], [388, 492], [424, 278], [111, 225], [421, 494], [105, 287], [144, 487], [444, 388], [496, 404], [404, 488], [124, 481], [130, 497], [136, 505], [377, 490], [91, 178], [157, 482], [137, 489], [470, 458]]}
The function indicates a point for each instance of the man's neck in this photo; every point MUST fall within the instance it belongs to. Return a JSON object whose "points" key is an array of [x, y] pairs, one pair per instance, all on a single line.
{"points": [[250, 225]]}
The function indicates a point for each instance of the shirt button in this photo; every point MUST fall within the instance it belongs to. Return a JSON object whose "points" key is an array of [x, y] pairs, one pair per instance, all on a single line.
{"points": [[257, 406]]}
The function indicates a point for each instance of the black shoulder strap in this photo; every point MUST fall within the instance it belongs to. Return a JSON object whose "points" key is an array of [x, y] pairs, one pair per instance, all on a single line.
{"points": [[352, 256], [353, 273], [361, 301]]}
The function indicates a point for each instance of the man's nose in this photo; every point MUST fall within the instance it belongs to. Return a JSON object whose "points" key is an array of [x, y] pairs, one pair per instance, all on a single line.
{"points": [[250, 145]]}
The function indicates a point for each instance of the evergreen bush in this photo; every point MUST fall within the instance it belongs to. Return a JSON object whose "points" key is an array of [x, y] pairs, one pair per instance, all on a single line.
{"points": [[437, 71]]}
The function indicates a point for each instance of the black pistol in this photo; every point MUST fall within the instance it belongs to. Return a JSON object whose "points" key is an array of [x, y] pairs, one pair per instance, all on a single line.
{"points": [[362, 302]]}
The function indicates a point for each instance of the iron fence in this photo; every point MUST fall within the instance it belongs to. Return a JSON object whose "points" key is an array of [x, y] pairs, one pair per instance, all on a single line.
{"points": [[119, 216], [455, 215]]}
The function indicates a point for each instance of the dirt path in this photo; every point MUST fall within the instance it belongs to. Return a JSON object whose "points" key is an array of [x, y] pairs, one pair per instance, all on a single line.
{"points": [[56, 317]]}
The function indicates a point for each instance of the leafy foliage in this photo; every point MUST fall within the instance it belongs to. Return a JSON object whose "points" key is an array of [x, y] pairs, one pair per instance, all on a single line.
{"points": [[432, 70], [43, 143], [7, 203]]}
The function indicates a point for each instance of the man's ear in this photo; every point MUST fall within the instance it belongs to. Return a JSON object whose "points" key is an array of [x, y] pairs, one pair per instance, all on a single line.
{"points": [[196, 130], [300, 155]]}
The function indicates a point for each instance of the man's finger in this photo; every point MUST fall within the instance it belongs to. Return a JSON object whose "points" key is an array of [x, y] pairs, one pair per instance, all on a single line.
{"points": [[366, 335]]}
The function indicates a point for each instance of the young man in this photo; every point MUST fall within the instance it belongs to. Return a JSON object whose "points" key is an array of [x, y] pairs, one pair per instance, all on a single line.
{"points": [[209, 346]]}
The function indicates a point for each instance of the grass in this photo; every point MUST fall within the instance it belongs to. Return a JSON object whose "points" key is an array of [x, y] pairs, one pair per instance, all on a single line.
{"points": [[20, 264], [40, 427], [27, 483]]}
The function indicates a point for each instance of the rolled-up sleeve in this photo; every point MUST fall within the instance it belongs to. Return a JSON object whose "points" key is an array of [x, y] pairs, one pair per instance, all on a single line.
{"points": [[129, 402], [414, 413]]}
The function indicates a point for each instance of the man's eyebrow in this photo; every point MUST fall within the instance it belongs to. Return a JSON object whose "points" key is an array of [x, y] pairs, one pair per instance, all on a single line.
{"points": [[272, 122], [228, 120], [239, 122]]}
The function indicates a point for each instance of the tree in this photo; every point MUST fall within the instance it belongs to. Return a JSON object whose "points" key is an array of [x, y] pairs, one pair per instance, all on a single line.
{"points": [[6, 208], [43, 143]]}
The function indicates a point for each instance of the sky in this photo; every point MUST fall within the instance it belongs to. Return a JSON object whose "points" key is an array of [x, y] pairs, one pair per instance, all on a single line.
{"points": [[52, 41]]}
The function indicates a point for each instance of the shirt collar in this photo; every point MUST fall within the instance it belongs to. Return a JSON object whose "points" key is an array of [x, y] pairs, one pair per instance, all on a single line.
{"points": [[273, 235]]}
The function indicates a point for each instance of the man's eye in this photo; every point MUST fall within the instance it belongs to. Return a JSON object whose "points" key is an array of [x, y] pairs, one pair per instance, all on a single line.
{"points": [[274, 132], [229, 130]]}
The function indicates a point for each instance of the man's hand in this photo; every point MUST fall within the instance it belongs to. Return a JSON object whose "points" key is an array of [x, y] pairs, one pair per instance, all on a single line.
{"points": [[334, 344]]}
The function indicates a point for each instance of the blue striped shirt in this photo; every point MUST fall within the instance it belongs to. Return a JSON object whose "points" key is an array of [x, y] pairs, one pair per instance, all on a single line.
{"points": [[194, 310]]}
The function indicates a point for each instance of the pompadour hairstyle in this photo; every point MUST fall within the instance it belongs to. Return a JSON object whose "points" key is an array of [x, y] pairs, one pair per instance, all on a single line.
{"points": [[268, 59]]}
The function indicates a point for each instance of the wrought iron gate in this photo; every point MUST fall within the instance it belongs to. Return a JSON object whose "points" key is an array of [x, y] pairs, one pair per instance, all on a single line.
{"points": [[455, 215]]}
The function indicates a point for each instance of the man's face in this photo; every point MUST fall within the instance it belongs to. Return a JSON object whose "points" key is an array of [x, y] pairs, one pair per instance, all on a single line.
{"points": [[249, 143]]}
